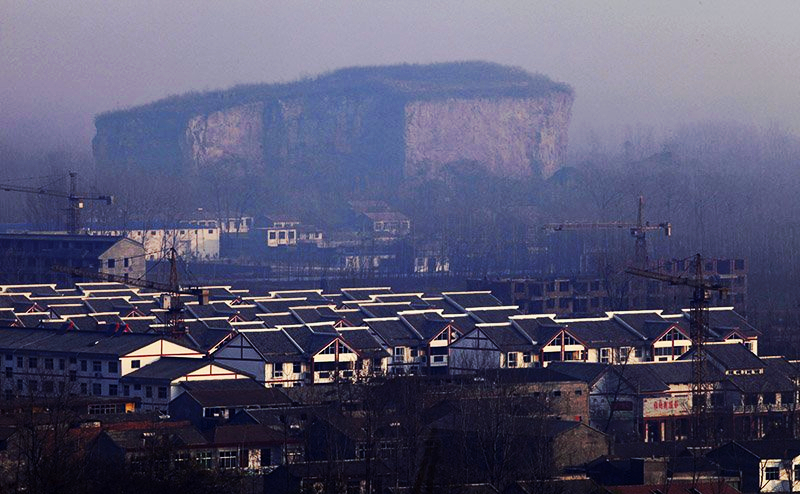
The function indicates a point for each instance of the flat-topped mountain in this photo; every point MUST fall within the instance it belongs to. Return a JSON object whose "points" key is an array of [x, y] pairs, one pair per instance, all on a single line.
{"points": [[369, 123]]}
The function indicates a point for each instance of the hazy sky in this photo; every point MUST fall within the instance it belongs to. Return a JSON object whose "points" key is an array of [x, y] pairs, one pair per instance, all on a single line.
{"points": [[649, 63]]}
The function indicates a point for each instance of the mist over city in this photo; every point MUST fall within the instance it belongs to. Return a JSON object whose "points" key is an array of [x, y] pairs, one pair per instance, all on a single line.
{"points": [[316, 247]]}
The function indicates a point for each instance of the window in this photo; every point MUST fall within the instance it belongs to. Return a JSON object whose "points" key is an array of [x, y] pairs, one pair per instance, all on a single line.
{"points": [[563, 303], [291, 234], [62, 364], [557, 392], [772, 473], [277, 371], [228, 459], [297, 368], [126, 390], [73, 376], [578, 392], [512, 359], [281, 235], [97, 389], [84, 365], [563, 286], [137, 387], [211, 231], [73, 360], [204, 459], [797, 473], [84, 389], [162, 392], [19, 362], [135, 364], [97, 366], [33, 362], [20, 385], [526, 357], [569, 340], [113, 367], [126, 262], [48, 363], [624, 353], [605, 355], [112, 263], [33, 386], [9, 372], [148, 391], [272, 235]]}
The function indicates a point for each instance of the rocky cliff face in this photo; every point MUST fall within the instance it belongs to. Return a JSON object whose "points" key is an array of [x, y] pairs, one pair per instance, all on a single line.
{"points": [[509, 136], [230, 135], [381, 122]]}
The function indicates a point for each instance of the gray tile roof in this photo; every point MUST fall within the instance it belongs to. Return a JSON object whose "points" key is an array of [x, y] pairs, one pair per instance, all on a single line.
{"points": [[394, 333], [274, 345], [170, 368]]}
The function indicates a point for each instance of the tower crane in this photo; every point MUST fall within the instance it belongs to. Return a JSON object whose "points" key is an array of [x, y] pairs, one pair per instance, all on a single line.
{"points": [[172, 291], [638, 230], [698, 329], [75, 199]]}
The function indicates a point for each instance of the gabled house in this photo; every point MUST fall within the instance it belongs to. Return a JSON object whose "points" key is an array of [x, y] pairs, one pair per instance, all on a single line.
{"points": [[492, 346], [158, 383], [211, 402], [765, 466], [328, 357], [437, 332], [405, 344], [269, 355]]}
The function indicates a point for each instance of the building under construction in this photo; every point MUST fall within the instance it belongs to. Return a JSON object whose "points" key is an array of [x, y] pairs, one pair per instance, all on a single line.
{"points": [[30, 258], [587, 294]]}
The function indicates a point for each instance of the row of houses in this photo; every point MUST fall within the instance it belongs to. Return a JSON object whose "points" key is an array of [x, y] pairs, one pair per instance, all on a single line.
{"points": [[372, 330]]}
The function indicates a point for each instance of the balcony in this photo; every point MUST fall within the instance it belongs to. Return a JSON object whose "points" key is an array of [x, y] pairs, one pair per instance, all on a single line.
{"points": [[764, 408]]}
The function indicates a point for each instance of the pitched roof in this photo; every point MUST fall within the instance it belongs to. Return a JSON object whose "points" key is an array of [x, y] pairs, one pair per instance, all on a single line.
{"points": [[362, 341], [274, 345], [731, 356], [427, 324], [587, 372], [309, 340], [234, 393], [393, 332], [466, 300], [171, 368], [601, 333], [506, 337]]}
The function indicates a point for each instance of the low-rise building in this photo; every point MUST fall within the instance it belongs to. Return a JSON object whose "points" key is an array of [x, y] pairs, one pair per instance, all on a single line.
{"points": [[29, 258]]}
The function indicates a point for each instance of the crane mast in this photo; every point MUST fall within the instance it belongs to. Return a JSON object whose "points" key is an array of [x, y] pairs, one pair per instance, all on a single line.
{"points": [[75, 200], [172, 291], [637, 230], [698, 332]]}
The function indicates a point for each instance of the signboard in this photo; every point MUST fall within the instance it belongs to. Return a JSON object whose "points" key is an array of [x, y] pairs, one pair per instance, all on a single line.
{"points": [[667, 406]]}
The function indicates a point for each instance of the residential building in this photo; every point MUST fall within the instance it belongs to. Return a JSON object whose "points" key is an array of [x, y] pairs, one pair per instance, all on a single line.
{"points": [[193, 239]]}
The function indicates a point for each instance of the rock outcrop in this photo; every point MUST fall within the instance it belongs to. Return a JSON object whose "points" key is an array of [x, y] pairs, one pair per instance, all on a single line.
{"points": [[379, 122]]}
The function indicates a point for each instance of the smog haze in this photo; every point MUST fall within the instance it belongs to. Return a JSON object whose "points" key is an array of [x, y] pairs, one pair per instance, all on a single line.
{"points": [[631, 63]]}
